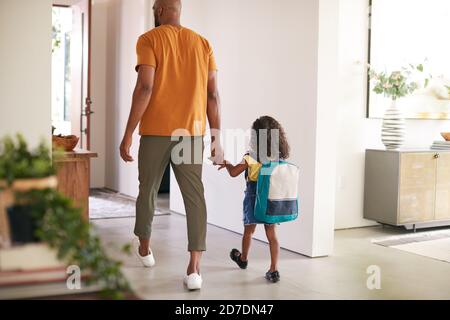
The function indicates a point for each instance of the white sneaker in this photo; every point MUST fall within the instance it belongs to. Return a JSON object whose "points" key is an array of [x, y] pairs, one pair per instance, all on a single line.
{"points": [[147, 261], [193, 281]]}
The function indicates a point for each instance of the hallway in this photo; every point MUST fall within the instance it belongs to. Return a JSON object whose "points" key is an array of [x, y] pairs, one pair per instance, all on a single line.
{"points": [[340, 276]]}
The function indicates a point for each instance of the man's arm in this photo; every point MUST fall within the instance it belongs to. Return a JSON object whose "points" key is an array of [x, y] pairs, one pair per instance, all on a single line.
{"points": [[213, 112], [141, 98]]}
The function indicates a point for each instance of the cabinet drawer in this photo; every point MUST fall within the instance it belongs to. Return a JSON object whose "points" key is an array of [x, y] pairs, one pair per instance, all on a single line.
{"points": [[417, 187], [443, 187]]}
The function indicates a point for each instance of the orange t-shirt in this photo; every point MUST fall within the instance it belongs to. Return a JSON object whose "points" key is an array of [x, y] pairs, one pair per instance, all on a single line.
{"points": [[182, 60]]}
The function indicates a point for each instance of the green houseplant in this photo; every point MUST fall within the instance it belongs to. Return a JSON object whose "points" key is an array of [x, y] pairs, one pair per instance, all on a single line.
{"points": [[22, 170], [30, 175], [18, 162], [395, 85]]}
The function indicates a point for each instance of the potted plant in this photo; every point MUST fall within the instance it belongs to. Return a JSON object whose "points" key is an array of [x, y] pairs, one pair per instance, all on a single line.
{"points": [[61, 226], [22, 170], [27, 187], [395, 85]]}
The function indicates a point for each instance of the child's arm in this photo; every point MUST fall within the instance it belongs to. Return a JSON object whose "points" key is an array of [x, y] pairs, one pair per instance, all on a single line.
{"points": [[236, 170]]}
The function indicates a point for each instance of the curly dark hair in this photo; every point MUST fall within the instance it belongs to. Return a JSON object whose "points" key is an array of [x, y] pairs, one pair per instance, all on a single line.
{"points": [[262, 128]]}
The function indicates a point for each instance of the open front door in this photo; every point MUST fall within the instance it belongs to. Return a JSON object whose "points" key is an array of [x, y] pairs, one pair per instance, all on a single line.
{"points": [[81, 72], [71, 106]]}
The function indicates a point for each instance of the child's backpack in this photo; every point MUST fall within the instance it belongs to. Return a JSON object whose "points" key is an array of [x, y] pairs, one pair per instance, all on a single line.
{"points": [[277, 193]]}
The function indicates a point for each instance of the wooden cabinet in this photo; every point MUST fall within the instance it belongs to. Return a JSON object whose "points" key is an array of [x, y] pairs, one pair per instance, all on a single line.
{"points": [[409, 188], [73, 177], [443, 187], [417, 187]]}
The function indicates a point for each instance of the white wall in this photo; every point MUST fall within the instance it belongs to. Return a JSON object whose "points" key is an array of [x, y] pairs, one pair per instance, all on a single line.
{"points": [[268, 56], [116, 25], [125, 21], [25, 69], [356, 133]]}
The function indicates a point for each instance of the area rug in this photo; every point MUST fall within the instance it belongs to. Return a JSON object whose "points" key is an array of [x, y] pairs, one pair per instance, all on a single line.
{"points": [[432, 244], [105, 204]]}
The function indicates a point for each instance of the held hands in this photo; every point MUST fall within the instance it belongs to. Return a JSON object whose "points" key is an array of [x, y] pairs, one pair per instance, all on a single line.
{"points": [[223, 165], [217, 156], [125, 148]]}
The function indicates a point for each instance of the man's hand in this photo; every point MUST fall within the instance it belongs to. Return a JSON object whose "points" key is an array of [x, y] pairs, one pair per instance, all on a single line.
{"points": [[213, 113], [223, 165], [217, 155], [125, 148]]}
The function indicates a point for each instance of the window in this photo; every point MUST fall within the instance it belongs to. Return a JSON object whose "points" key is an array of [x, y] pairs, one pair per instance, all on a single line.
{"points": [[61, 73], [412, 31]]}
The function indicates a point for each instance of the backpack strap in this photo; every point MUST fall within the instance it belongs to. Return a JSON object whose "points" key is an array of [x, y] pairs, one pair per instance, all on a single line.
{"points": [[246, 170]]}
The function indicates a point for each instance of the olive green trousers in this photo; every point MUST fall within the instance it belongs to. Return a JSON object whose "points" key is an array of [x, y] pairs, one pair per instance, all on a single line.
{"points": [[186, 159]]}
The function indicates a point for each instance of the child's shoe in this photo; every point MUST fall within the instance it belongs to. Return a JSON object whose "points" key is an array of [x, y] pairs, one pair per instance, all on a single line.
{"points": [[273, 276], [235, 255]]}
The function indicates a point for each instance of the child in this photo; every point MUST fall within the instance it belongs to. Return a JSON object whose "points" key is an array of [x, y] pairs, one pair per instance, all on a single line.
{"points": [[251, 165]]}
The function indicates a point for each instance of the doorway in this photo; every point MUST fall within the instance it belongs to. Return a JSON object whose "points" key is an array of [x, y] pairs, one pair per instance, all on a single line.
{"points": [[71, 102]]}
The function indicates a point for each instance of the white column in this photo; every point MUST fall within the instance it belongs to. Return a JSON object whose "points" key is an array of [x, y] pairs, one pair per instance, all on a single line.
{"points": [[326, 129], [25, 64]]}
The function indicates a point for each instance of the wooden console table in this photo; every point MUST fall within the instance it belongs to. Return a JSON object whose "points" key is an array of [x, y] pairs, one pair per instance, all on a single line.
{"points": [[73, 177]]}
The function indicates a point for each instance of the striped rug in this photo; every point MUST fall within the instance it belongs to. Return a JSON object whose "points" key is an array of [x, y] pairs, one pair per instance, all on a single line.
{"points": [[106, 204], [431, 244]]}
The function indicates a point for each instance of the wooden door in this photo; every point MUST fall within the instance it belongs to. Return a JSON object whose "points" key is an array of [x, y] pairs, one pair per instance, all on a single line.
{"points": [[83, 7], [417, 187], [443, 187], [80, 71]]}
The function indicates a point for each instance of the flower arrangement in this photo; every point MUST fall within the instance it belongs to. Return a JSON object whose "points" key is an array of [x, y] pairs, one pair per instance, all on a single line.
{"points": [[399, 83]]}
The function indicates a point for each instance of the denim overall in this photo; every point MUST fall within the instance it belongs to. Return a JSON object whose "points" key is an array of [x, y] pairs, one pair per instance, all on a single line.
{"points": [[249, 202]]}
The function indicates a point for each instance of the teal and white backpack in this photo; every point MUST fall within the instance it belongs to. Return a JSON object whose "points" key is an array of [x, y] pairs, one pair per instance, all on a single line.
{"points": [[277, 193]]}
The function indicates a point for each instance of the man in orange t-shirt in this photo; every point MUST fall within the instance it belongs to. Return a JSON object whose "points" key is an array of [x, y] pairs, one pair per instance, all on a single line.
{"points": [[176, 92]]}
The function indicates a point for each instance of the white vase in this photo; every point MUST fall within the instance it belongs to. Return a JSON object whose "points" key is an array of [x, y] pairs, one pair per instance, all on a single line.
{"points": [[393, 130]]}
